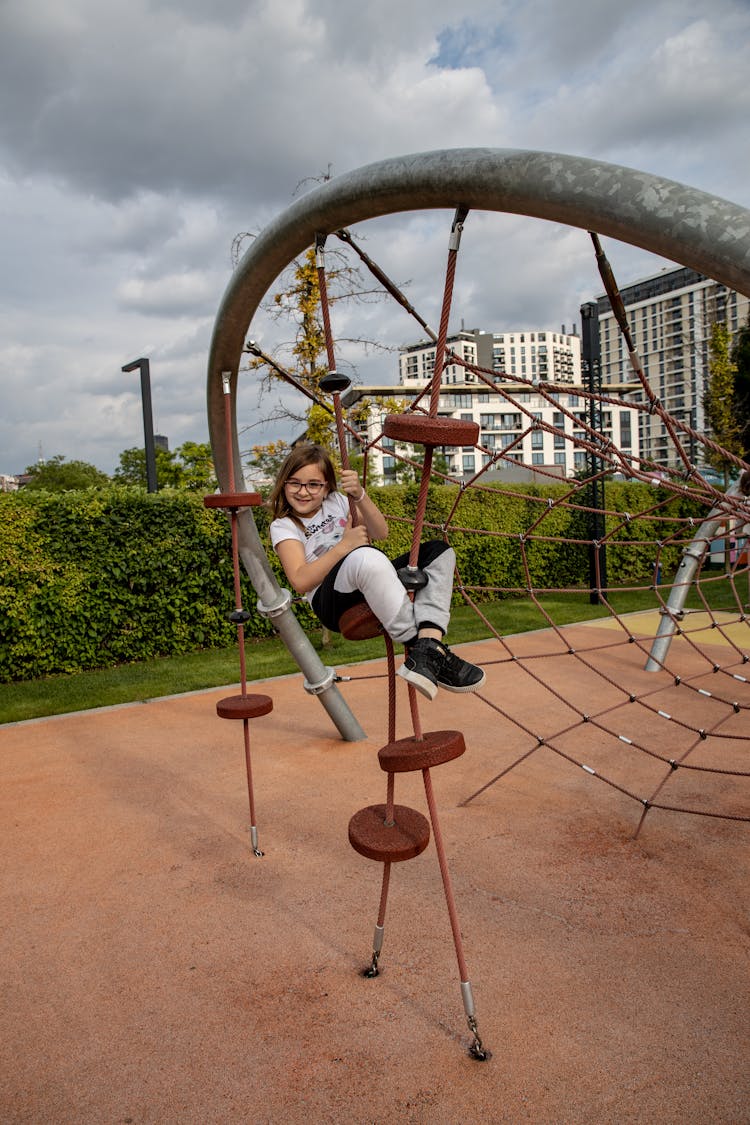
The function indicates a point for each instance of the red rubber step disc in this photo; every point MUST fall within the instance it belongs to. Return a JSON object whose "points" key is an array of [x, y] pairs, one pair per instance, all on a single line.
{"points": [[233, 500], [423, 429], [406, 838], [359, 623], [244, 706], [433, 749]]}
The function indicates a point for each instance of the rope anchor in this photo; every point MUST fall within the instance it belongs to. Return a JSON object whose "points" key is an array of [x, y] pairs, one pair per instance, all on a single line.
{"points": [[477, 1050], [372, 969]]}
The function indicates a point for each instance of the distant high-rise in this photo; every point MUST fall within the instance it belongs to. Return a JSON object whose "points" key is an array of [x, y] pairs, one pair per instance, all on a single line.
{"points": [[670, 317]]}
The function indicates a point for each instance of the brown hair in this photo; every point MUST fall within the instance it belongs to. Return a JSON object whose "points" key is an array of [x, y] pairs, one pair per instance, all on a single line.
{"points": [[297, 459]]}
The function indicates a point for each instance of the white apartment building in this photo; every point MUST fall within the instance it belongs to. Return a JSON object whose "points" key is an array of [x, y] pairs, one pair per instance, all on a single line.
{"points": [[527, 428], [553, 357], [670, 316]]}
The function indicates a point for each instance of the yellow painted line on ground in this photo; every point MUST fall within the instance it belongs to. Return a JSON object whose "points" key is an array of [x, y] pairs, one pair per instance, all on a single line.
{"points": [[696, 624]]}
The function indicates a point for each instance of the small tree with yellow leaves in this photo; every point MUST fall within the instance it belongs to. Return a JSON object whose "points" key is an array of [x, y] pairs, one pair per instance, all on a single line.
{"points": [[719, 400]]}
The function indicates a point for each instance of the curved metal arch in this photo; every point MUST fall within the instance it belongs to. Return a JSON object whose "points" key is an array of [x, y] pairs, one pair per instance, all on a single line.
{"points": [[680, 223]]}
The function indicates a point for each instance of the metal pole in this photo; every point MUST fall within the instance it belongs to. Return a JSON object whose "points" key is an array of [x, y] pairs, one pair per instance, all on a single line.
{"points": [[592, 369], [692, 557], [148, 425], [276, 604]]}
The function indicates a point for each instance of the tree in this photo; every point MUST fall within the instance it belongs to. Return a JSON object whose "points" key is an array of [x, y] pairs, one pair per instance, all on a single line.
{"points": [[266, 460], [59, 475], [132, 469], [305, 356], [299, 302], [719, 400], [197, 467], [741, 358], [189, 467]]}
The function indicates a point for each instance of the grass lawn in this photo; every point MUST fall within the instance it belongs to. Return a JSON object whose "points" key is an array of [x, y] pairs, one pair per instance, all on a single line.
{"points": [[128, 683]]}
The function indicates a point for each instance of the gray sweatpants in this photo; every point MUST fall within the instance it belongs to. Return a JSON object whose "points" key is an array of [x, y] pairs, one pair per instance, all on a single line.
{"points": [[371, 573]]}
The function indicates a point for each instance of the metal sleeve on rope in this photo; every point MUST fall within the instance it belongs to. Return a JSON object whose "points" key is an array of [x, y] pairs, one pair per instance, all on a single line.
{"points": [[457, 228], [468, 998]]}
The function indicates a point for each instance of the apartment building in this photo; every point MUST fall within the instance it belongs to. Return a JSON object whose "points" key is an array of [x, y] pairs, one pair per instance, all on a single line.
{"points": [[519, 426], [553, 357], [670, 316]]}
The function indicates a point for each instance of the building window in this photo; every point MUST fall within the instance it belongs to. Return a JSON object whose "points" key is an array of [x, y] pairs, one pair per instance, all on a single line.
{"points": [[468, 464], [537, 458]]}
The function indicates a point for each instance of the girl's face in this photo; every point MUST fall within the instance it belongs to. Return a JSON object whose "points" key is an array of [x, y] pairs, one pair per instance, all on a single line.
{"points": [[306, 490]]}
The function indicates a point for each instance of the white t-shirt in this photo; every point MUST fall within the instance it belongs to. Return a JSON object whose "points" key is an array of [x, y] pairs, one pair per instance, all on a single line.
{"points": [[321, 531]]}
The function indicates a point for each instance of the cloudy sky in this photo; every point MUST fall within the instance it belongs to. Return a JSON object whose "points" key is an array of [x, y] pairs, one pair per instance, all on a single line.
{"points": [[139, 138]]}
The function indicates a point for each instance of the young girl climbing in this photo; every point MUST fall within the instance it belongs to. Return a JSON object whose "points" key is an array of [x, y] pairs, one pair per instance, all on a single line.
{"points": [[333, 565]]}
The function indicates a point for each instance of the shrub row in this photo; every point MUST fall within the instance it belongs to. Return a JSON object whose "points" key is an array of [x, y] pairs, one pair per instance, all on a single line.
{"points": [[97, 578]]}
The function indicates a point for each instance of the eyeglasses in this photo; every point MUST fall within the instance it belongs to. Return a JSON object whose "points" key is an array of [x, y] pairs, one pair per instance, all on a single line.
{"points": [[313, 486]]}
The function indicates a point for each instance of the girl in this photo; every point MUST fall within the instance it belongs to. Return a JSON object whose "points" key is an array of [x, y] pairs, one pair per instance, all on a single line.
{"points": [[334, 566]]}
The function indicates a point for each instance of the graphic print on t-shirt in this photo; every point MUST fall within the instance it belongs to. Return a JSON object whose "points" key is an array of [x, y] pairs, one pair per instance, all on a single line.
{"points": [[326, 532]]}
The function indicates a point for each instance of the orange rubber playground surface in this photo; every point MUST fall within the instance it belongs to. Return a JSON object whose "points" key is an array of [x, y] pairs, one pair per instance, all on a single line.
{"points": [[155, 971]]}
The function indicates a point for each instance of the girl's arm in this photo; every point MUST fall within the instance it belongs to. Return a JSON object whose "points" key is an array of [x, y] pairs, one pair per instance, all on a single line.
{"points": [[369, 513], [306, 576]]}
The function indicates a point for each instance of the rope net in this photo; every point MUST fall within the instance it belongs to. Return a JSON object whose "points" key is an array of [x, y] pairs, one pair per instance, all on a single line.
{"points": [[663, 722]]}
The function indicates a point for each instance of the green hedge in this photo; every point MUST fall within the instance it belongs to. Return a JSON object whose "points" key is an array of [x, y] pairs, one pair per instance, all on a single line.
{"points": [[556, 553], [97, 578]]}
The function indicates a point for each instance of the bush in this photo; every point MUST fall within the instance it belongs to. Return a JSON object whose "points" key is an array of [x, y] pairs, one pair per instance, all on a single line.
{"points": [[93, 579]]}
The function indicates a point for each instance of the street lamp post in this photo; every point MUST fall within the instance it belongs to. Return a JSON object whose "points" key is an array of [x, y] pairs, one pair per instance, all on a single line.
{"points": [[148, 425]]}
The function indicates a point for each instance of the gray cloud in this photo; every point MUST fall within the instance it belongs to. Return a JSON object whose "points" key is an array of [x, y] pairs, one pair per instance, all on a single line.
{"points": [[138, 139]]}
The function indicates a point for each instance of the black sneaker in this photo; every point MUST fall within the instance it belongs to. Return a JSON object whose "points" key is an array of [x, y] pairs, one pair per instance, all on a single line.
{"points": [[423, 664], [456, 674]]}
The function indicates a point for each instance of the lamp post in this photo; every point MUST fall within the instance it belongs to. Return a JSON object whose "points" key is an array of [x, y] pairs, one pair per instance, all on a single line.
{"points": [[148, 425]]}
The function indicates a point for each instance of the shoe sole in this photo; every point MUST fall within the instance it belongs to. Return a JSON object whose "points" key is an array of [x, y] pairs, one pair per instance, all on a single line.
{"points": [[469, 687], [421, 683]]}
